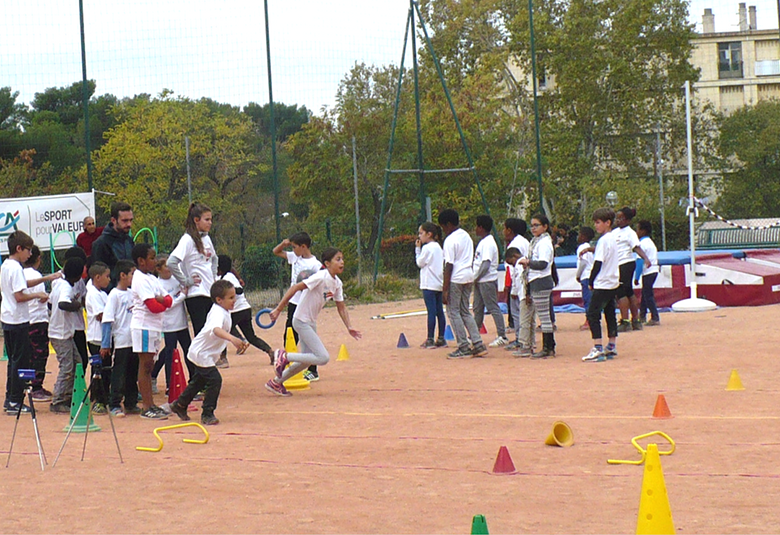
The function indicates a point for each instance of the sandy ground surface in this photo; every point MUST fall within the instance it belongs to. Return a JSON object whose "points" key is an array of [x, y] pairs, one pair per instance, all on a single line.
{"points": [[404, 441]]}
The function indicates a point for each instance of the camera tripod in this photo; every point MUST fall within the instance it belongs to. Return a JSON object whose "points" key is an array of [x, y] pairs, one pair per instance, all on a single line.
{"points": [[27, 376], [96, 380]]}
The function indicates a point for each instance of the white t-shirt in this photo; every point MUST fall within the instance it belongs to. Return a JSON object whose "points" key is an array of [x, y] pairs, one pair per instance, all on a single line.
{"points": [[195, 263], [206, 347], [319, 288], [651, 251], [518, 285], [543, 251], [486, 250], [61, 324], [626, 239], [459, 251], [12, 280], [521, 244], [302, 268], [585, 261], [78, 293], [175, 318], [145, 286], [119, 311], [39, 312], [430, 260], [608, 277], [95, 303], [241, 302]]}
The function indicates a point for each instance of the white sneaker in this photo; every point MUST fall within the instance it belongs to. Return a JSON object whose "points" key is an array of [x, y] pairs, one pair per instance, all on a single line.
{"points": [[499, 342], [595, 355]]}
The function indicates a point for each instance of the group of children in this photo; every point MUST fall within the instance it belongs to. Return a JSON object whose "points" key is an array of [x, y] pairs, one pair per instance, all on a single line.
{"points": [[449, 273]]}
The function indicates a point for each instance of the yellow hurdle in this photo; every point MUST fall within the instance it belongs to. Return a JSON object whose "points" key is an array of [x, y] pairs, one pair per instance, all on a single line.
{"points": [[177, 426], [642, 451]]}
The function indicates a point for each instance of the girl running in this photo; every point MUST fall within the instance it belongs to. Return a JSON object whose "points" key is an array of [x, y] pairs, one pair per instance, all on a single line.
{"points": [[323, 285]]}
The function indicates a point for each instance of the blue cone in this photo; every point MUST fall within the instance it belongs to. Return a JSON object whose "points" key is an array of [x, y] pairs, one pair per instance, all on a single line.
{"points": [[448, 334], [402, 343]]}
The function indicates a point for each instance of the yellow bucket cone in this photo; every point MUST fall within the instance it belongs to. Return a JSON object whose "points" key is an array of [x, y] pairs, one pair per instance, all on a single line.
{"points": [[289, 341], [735, 383], [343, 354], [655, 515], [297, 382], [561, 435]]}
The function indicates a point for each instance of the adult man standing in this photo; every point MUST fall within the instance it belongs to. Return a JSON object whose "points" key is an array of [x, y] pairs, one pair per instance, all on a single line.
{"points": [[86, 239], [115, 243]]}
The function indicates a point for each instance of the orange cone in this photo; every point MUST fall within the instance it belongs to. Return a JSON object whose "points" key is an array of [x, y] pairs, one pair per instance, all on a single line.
{"points": [[661, 408], [178, 380], [504, 464]]}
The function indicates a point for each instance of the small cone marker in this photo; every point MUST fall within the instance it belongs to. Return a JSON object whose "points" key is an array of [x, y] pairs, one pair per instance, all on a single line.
{"points": [[661, 408], [402, 343], [178, 382], [655, 515], [482, 329], [297, 382], [343, 353], [448, 334], [479, 525], [735, 383], [289, 341], [504, 464], [84, 420]]}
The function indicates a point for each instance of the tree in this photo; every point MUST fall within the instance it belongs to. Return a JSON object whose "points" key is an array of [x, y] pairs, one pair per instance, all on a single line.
{"points": [[11, 112], [750, 147], [288, 119]]}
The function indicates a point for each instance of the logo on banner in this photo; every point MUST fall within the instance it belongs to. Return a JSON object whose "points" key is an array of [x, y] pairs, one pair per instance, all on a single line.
{"points": [[8, 222]]}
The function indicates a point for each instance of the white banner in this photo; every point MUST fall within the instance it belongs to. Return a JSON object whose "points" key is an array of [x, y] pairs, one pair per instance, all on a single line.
{"points": [[56, 219]]}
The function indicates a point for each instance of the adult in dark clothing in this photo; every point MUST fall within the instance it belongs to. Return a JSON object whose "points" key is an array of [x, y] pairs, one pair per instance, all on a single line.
{"points": [[89, 236], [115, 243]]}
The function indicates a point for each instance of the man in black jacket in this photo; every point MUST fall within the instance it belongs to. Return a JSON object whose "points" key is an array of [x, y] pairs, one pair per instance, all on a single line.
{"points": [[115, 243]]}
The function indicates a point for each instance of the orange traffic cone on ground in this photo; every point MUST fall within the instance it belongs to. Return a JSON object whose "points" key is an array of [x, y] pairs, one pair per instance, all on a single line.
{"points": [[661, 408]]}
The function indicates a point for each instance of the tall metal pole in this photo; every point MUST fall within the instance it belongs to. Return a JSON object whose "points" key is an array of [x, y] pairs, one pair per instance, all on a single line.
{"points": [[189, 175], [420, 166], [357, 210], [691, 204], [273, 127], [660, 171], [536, 106], [85, 95]]}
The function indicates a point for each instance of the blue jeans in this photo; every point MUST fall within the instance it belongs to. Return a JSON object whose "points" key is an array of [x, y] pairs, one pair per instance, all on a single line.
{"points": [[648, 297], [433, 304], [585, 294]]}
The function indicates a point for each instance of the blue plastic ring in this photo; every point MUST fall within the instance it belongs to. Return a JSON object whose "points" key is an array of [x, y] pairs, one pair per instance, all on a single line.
{"points": [[264, 325]]}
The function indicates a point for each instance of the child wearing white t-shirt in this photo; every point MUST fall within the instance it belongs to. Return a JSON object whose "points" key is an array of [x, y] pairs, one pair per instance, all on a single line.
{"points": [[430, 260], [648, 272], [95, 303], [204, 352], [485, 280], [39, 325], [323, 285], [584, 265], [149, 302]]}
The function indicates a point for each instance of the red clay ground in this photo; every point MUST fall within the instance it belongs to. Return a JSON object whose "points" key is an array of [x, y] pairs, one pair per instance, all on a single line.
{"points": [[404, 441]]}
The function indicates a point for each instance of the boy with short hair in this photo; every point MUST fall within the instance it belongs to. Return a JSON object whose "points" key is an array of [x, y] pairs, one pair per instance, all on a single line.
{"points": [[485, 279], [604, 283], [149, 302], [15, 316], [584, 265], [204, 352], [303, 265], [79, 293], [648, 273], [95, 302], [62, 326], [39, 326], [514, 236], [117, 317], [456, 290]]}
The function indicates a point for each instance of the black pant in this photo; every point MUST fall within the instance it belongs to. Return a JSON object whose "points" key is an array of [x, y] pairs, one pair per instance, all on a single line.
{"points": [[124, 379], [165, 358], [198, 308], [17, 345], [648, 297], [290, 313], [243, 320], [39, 340], [602, 300], [101, 393], [80, 338], [208, 378]]}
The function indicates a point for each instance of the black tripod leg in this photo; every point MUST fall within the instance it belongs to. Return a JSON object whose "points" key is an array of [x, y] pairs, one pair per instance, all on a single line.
{"points": [[111, 419], [70, 429]]}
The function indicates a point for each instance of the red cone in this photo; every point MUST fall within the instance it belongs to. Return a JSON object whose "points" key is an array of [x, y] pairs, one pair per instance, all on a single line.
{"points": [[482, 329], [504, 464], [178, 379]]}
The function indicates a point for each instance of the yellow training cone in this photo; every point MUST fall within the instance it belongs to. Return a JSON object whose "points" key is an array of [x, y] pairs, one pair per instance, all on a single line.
{"points": [[561, 435], [735, 383], [297, 382], [289, 341], [343, 354], [655, 515]]}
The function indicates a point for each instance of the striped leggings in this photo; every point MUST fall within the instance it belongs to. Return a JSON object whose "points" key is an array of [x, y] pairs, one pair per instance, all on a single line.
{"points": [[541, 299]]}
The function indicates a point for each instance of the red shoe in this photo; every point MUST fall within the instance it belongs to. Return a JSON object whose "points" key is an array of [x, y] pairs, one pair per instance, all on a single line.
{"points": [[280, 361], [277, 388]]}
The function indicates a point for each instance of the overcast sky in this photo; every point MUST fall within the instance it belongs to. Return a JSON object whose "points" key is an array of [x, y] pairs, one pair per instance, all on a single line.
{"points": [[217, 49]]}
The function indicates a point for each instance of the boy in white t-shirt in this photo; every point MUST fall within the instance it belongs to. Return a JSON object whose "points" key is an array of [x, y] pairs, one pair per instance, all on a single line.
{"points": [[604, 283], [303, 264], [456, 290], [485, 279], [39, 326], [648, 272], [584, 265], [149, 302], [117, 317], [95, 302], [15, 316], [204, 352]]}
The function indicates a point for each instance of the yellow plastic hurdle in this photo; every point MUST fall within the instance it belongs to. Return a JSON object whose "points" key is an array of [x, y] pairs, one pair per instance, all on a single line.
{"points": [[642, 451], [177, 426]]}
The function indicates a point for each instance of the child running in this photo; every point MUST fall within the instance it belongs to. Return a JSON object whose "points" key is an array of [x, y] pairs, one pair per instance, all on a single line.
{"points": [[204, 352], [323, 285], [430, 260]]}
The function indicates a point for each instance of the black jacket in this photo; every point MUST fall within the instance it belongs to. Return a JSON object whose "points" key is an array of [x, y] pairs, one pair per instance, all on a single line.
{"points": [[111, 247]]}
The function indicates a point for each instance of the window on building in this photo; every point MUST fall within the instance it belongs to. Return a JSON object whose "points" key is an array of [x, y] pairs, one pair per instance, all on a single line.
{"points": [[729, 60]]}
